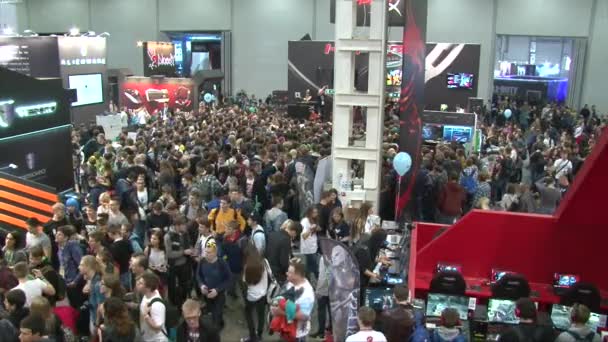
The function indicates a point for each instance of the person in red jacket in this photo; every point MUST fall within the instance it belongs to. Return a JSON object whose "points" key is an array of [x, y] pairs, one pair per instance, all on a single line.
{"points": [[451, 201]]}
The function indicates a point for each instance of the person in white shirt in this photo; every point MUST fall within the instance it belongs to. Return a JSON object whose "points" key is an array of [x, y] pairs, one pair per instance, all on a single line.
{"points": [[31, 287], [306, 301], [562, 166], [204, 235], [124, 117], [36, 237], [152, 309], [366, 319], [309, 241], [256, 272], [258, 236]]}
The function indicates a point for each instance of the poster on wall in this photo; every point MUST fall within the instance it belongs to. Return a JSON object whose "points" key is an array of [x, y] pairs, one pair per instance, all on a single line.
{"points": [[159, 59], [31, 56], [44, 157], [153, 94]]}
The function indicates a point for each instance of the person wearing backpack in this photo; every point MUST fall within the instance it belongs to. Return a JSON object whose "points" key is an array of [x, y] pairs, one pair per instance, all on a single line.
{"points": [[258, 234], [152, 309], [219, 218], [528, 329], [468, 180], [448, 331], [232, 251], [579, 331]]}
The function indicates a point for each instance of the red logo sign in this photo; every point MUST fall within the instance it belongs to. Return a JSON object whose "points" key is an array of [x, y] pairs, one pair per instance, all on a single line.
{"points": [[364, 2], [158, 60], [330, 48]]}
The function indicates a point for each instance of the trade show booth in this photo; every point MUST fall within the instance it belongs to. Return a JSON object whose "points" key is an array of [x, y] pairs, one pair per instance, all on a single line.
{"points": [[153, 93], [80, 63]]}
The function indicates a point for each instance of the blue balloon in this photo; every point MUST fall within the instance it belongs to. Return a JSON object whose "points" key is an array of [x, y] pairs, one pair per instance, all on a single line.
{"points": [[508, 113], [402, 163]]}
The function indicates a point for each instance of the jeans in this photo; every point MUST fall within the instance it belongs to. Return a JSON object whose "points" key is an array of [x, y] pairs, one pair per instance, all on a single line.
{"points": [[125, 280], [323, 310], [260, 308], [312, 265], [216, 307], [179, 283]]}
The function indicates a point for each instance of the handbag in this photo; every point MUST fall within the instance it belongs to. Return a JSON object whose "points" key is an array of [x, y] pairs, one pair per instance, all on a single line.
{"points": [[273, 286]]}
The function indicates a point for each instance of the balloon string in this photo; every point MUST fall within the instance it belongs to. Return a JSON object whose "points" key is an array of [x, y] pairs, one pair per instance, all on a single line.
{"points": [[397, 198]]}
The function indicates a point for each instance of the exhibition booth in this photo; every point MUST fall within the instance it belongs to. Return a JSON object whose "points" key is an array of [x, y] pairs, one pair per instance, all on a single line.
{"points": [[485, 245], [451, 75]]}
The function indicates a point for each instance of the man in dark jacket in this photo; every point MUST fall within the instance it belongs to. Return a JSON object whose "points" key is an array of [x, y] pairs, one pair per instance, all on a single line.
{"points": [[178, 249], [528, 328], [195, 328], [278, 249], [451, 200], [398, 323]]}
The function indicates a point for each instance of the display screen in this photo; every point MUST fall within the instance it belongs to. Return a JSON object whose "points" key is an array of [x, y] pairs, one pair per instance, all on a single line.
{"points": [[460, 81], [393, 77], [89, 89], [498, 274], [565, 280], [432, 132], [460, 134], [502, 311], [393, 279], [436, 303], [200, 61], [560, 315], [448, 268], [379, 298]]}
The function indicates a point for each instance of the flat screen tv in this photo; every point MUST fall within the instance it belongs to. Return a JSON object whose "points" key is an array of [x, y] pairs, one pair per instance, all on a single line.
{"points": [[459, 134], [460, 81], [89, 89]]}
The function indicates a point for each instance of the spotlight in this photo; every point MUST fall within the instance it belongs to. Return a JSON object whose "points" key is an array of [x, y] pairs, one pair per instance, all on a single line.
{"points": [[74, 31], [140, 43]]}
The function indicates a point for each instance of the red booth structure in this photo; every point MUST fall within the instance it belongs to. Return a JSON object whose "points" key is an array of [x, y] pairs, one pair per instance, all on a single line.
{"points": [[572, 241]]}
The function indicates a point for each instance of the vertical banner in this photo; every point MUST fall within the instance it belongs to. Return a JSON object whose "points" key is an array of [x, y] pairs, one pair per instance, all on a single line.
{"points": [[344, 287], [411, 101]]}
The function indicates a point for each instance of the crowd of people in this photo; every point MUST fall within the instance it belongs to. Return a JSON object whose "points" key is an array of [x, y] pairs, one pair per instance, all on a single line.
{"points": [[216, 203]]}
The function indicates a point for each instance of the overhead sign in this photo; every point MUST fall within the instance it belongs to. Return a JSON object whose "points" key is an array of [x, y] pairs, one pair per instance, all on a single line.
{"points": [[82, 51], [159, 59], [31, 56]]}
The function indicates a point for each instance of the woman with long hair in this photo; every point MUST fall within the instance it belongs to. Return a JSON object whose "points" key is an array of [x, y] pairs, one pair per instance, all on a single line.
{"points": [[338, 228], [309, 242], [90, 269], [111, 286], [360, 223], [41, 306], [255, 276], [157, 259], [118, 325], [12, 251]]}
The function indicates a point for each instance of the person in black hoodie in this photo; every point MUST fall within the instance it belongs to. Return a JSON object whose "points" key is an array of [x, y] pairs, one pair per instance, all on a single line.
{"points": [[278, 249], [50, 228], [178, 251], [528, 328], [195, 327], [14, 303], [121, 252]]}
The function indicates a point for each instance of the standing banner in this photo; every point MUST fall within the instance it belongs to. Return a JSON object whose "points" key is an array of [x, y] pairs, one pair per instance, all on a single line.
{"points": [[411, 101], [344, 287], [112, 125]]}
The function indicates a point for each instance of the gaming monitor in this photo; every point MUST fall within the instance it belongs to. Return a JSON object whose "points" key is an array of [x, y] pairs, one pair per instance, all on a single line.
{"points": [[89, 89], [459, 134], [565, 281], [560, 316], [502, 311], [393, 77], [437, 302], [432, 132], [460, 81], [379, 298]]}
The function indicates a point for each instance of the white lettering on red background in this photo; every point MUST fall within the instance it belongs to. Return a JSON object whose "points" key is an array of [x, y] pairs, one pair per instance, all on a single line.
{"points": [[158, 60]]}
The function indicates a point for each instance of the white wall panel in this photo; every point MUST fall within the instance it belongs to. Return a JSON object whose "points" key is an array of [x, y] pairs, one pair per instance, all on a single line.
{"points": [[596, 72], [199, 15], [58, 15]]}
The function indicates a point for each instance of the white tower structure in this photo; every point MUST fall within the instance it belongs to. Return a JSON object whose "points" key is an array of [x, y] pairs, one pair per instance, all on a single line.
{"points": [[346, 98]]}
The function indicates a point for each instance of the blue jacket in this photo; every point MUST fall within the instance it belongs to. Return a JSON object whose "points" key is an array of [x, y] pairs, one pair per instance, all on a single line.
{"points": [[215, 275], [70, 259]]}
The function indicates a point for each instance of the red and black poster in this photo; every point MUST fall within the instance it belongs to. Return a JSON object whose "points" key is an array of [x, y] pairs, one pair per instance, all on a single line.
{"points": [[411, 101], [152, 94], [159, 59]]}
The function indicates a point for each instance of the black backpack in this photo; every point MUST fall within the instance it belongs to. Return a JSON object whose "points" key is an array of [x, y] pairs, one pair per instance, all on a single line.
{"points": [[172, 314]]}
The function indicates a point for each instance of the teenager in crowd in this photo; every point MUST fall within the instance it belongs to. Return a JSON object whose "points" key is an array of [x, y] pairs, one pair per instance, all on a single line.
{"points": [[32, 287], [366, 318], [91, 271], [278, 249], [118, 325], [195, 327], [256, 275], [178, 252], [151, 309], [12, 253], [214, 278]]}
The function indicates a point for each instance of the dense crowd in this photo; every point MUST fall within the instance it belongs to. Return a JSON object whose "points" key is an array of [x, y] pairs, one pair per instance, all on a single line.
{"points": [[215, 203]]}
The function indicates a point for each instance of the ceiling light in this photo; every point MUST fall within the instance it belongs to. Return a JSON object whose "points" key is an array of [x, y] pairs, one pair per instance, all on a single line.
{"points": [[74, 31], [140, 43]]}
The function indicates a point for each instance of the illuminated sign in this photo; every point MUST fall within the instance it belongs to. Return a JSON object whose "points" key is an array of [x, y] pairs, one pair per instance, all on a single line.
{"points": [[330, 48], [83, 61], [36, 110], [158, 60]]}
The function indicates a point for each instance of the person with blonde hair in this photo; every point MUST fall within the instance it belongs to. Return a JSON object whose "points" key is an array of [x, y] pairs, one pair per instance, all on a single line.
{"points": [[31, 287], [195, 323], [91, 271], [41, 306]]}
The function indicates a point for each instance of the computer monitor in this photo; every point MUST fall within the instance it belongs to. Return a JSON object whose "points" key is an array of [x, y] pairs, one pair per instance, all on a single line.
{"points": [[565, 281], [445, 267], [379, 298], [393, 279], [437, 302], [497, 274], [502, 311], [560, 316]]}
